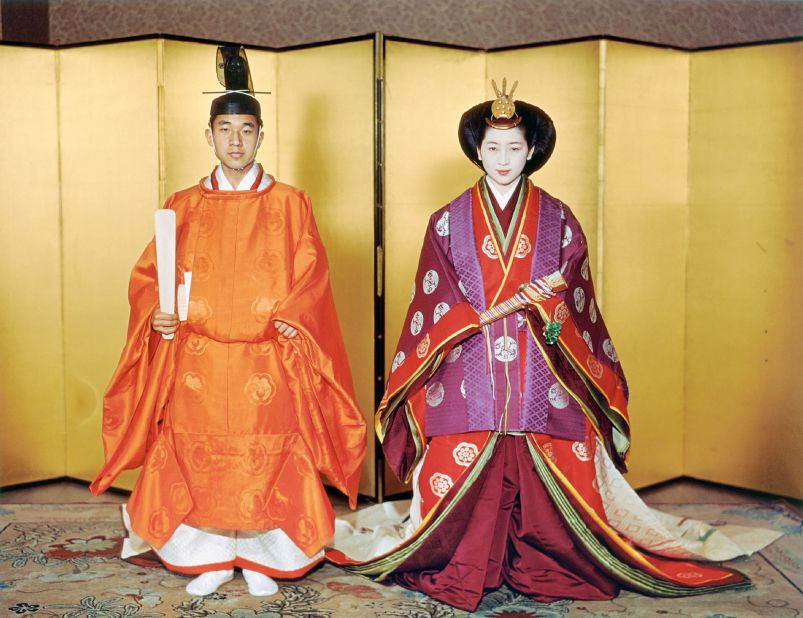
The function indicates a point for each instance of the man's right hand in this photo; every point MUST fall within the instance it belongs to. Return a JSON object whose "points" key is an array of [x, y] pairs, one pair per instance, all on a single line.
{"points": [[165, 323]]}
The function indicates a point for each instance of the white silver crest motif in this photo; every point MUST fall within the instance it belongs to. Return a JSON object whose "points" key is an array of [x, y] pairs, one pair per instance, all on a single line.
{"points": [[592, 311], [440, 484], [520, 319], [610, 351], [454, 354], [435, 392], [567, 236], [584, 269], [563, 267], [397, 362], [558, 396], [440, 311], [582, 451], [462, 288], [505, 349], [412, 293], [464, 453], [579, 299], [587, 339], [463, 389], [417, 323], [442, 226], [430, 282], [488, 247], [524, 247]]}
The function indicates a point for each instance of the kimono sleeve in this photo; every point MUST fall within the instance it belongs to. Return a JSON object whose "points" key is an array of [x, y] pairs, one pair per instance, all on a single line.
{"points": [[585, 341], [438, 318], [138, 390], [331, 423]]}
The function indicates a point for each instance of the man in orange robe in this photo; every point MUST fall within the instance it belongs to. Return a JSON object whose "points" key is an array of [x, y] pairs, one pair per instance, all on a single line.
{"points": [[234, 418]]}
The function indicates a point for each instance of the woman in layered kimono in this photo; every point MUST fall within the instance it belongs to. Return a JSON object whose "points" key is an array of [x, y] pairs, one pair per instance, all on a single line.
{"points": [[506, 405]]}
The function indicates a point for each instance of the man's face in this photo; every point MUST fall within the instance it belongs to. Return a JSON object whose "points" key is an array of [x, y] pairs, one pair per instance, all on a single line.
{"points": [[235, 138], [503, 154]]}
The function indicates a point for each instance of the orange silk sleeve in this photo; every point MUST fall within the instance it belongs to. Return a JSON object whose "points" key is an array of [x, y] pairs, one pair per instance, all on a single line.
{"points": [[137, 393], [331, 423]]}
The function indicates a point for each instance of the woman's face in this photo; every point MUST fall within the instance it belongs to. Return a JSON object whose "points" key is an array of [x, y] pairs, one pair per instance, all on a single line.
{"points": [[504, 154]]}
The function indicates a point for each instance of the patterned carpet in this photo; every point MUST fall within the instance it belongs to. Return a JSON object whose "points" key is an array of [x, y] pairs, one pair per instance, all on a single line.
{"points": [[61, 560]]}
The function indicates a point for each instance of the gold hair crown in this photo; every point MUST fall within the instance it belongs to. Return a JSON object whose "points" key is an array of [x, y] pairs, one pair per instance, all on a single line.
{"points": [[503, 109]]}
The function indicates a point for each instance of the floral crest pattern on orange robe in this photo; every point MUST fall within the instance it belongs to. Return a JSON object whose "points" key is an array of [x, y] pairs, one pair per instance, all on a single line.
{"points": [[232, 422]]}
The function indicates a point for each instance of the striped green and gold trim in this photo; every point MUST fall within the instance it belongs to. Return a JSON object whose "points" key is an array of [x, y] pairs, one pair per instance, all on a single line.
{"points": [[629, 576], [381, 567]]}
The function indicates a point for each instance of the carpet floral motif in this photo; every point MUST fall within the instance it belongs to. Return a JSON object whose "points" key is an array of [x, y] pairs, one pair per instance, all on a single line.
{"points": [[62, 561]]}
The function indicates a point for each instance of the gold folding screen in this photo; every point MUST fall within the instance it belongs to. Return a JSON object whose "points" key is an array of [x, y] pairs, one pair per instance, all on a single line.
{"points": [[325, 145], [31, 350], [744, 341], [109, 145], [642, 243], [662, 154]]}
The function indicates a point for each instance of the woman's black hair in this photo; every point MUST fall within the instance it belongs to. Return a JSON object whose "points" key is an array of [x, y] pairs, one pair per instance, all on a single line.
{"points": [[539, 132]]}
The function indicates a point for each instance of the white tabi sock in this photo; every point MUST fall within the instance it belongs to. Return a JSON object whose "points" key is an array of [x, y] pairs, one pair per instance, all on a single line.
{"points": [[260, 585], [207, 583]]}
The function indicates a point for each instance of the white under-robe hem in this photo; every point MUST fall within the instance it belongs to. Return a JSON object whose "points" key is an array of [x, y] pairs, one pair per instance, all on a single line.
{"points": [[669, 535], [190, 547], [375, 530]]}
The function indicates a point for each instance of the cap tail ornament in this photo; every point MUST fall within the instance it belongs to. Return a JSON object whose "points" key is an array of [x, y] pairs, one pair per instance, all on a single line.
{"points": [[232, 71]]}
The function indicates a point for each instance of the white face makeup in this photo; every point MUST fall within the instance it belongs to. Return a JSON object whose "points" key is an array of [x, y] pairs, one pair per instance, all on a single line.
{"points": [[504, 154], [236, 139]]}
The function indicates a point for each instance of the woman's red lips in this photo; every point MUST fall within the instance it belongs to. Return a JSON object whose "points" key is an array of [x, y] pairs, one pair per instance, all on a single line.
{"points": [[503, 172]]}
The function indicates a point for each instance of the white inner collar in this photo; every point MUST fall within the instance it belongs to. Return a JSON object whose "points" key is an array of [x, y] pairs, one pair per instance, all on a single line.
{"points": [[244, 185], [502, 197]]}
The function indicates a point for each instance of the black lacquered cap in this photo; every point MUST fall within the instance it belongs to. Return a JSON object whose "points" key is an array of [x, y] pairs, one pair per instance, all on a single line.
{"points": [[235, 103], [235, 76]]}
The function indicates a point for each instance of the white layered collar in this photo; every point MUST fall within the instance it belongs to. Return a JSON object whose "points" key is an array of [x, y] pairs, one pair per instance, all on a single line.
{"points": [[244, 184], [502, 198]]}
